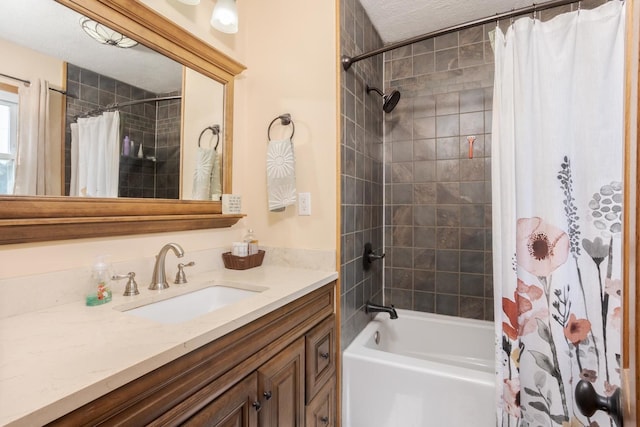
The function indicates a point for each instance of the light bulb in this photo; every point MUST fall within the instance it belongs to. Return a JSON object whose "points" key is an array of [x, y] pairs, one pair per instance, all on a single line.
{"points": [[225, 16]]}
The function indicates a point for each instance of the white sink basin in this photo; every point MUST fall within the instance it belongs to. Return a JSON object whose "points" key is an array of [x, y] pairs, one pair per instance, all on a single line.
{"points": [[193, 304]]}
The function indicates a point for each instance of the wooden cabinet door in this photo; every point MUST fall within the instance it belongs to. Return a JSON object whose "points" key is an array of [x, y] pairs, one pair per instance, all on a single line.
{"points": [[238, 407], [321, 411], [281, 388]]}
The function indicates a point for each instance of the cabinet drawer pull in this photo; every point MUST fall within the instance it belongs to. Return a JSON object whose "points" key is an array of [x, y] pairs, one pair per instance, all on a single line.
{"points": [[267, 395], [325, 420], [257, 405], [324, 355]]}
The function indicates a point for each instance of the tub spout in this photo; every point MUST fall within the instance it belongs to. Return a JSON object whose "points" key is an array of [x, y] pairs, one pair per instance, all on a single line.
{"points": [[375, 308]]}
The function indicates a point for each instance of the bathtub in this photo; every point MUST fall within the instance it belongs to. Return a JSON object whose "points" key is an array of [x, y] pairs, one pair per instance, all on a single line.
{"points": [[425, 370]]}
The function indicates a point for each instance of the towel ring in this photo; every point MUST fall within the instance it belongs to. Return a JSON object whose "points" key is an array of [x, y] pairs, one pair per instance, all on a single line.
{"points": [[285, 119], [215, 129]]}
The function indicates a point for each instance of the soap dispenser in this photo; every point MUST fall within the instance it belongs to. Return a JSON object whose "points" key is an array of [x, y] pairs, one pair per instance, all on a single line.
{"points": [[99, 289]]}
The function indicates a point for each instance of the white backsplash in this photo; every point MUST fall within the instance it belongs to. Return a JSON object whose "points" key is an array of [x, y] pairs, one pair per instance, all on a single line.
{"points": [[34, 292]]}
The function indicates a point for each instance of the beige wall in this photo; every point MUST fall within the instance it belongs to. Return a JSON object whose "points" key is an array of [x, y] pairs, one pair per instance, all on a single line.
{"points": [[289, 48], [205, 108], [32, 65]]}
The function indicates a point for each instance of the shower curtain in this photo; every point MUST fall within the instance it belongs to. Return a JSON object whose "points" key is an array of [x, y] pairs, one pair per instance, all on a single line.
{"points": [[33, 139], [557, 172], [95, 156]]}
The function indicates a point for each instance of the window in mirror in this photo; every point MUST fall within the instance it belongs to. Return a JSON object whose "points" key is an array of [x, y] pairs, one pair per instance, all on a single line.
{"points": [[8, 136]]}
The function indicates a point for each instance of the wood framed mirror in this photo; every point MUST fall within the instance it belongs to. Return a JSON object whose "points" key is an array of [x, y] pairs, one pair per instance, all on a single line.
{"points": [[34, 218]]}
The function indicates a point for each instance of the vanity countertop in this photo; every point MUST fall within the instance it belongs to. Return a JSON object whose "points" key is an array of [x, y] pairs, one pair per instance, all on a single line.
{"points": [[56, 359]]}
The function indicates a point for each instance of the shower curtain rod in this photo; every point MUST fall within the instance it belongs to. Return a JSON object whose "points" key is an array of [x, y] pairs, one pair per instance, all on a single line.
{"points": [[117, 105], [348, 61], [28, 83]]}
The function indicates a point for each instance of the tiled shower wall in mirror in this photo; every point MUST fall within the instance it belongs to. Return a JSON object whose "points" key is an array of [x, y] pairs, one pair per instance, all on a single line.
{"points": [[154, 124]]}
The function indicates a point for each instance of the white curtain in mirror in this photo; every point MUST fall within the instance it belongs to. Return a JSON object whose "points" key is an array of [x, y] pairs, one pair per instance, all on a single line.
{"points": [[95, 156], [33, 176]]}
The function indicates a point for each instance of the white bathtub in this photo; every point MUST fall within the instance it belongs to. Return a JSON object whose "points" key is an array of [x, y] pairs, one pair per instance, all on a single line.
{"points": [[427, 370]]}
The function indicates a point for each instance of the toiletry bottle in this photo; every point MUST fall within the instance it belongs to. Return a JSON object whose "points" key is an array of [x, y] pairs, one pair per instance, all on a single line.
{"points": [[131, 148], [251, 241], [126, 146], [140, 152], [99, 290]]}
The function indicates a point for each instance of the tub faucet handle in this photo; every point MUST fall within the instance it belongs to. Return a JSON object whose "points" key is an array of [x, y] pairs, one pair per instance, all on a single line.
{"points": [[369, 256]]}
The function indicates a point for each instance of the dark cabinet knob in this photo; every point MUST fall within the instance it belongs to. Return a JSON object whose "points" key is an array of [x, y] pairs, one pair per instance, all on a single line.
{"points": [[267, 395], [324, 355], [257, 406], [325, 420], [588, 401]]}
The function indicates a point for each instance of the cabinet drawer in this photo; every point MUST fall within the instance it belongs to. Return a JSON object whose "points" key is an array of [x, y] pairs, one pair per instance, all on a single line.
{"points": [[320, 356], [237, 407], [321, 412]]}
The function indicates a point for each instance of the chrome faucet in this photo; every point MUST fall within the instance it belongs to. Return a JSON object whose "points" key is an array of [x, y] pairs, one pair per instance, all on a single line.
{"points": [[375, 308], [159, 278]]}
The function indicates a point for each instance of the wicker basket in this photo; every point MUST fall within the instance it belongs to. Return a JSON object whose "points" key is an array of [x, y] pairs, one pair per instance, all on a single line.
{"points": [[242, 262]]}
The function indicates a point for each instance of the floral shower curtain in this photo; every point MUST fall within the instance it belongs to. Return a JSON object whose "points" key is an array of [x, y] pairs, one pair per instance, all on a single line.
{"points": [[557, 203]]}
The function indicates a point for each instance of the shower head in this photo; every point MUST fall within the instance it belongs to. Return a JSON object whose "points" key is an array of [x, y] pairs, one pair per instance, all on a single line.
{"points": [[389, 101]]}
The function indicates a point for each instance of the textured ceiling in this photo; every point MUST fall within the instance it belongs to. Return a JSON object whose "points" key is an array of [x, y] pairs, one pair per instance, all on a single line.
{"points": [[52, 29], [398, 20]]}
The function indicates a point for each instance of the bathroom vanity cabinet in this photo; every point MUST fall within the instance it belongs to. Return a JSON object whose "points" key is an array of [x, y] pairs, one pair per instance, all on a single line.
{"points": [[276, 371]]}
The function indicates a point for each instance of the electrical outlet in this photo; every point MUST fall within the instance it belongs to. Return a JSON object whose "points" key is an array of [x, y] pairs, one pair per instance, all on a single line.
{"points": [[304, 203]]}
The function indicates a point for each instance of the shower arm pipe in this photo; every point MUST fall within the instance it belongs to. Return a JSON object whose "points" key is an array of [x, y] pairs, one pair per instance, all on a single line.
{"points": [[348, 61]]}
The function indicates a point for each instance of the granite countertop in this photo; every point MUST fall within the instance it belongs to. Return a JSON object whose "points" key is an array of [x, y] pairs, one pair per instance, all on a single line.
{"points": [[54, 360]]}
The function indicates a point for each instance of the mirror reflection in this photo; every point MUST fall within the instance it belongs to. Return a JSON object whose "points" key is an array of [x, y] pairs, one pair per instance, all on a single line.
{"points": [[119, 130]]}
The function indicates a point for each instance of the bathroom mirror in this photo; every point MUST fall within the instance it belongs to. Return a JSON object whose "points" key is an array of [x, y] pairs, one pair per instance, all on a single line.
{"points": [[32, 218]]}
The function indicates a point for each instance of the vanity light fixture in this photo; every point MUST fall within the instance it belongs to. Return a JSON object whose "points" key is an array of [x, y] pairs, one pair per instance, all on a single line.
{"points": [[225, 16], [105, 35]]}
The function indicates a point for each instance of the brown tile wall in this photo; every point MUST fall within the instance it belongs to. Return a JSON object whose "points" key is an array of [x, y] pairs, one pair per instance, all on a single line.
{"points": [[361, 169], [437, 199]]}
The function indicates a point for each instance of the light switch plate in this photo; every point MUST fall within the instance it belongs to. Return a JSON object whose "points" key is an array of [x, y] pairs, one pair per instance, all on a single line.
{"points": [[304, 203]]}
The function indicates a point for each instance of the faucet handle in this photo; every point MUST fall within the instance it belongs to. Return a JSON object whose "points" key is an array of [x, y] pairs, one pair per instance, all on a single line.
{"points": [[181, 278], [368, 256], [132, 287]]}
